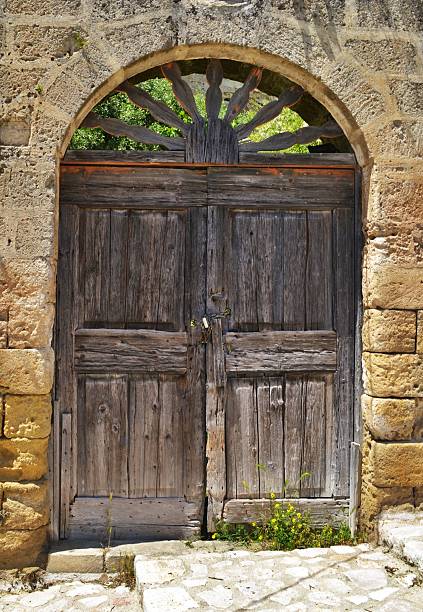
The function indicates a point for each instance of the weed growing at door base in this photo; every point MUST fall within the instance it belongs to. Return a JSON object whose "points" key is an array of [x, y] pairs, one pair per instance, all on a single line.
{"points": [[285, 528]]}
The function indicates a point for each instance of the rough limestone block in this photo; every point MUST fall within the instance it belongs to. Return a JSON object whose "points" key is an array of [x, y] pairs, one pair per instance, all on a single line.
{"points": [[393, 286], [386, 55], [18, 81], [30, 324], [42, 7], [409, 96], [27, 416], [22, 459], [21, 548], [14, 133], [397, 464], [29, 188], [27, 278], [25, 506], [389, 419], [35, 42], [396, 201], [82, 560], [26, 371], [35, 235], [405, 138], [389, 331], [398, 375]]}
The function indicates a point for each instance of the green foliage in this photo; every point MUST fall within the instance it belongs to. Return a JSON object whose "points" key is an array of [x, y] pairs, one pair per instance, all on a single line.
{"points": [[118, 106], [285, 529]]}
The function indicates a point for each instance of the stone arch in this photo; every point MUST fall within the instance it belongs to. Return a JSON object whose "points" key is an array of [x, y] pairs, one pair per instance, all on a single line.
{"points": [[314, 87], [362, 64]]}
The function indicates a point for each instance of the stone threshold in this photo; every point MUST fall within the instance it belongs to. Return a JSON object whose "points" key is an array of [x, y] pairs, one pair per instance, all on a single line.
{"points": [[85, 557], [402, 532]]}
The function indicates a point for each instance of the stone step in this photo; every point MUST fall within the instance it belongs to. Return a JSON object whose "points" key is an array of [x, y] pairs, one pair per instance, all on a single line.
{"points": [[85, 557], [402, 532]]}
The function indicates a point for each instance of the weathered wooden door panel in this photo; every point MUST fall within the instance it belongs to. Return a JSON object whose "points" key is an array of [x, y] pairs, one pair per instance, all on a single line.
{"points": [[102, 435], [143, 252], [137, 396], [285, 269]]}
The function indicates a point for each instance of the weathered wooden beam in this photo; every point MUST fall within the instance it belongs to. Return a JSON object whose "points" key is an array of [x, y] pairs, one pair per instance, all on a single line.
{"points": [[270, 111], [158, 109], [134, 350], [241, 97], [284, 140], [281, 351], [321, 511], [181, 89], [116, 127], [147, 518], [214, 76]]}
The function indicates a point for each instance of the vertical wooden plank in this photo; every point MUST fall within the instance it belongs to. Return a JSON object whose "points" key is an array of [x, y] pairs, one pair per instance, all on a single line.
{"points": [[294, 269], [242, 439], [145, 259], [294, 433], [66, 323], [269, 270], [319, 281], [215, 395], [65, 471], [97, 266], [170, 475], [242, 266], [195, 307], [330, 451], [102, 419], [144, 415], [117, 442], [344, 325], [313, 462], [170, 306], [118, 267], [270, 410]]}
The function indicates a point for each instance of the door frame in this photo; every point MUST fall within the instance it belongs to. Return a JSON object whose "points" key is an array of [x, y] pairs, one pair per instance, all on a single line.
{"points": [[61, 440]]}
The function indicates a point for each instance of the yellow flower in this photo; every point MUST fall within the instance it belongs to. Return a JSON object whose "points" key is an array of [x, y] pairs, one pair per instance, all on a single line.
{"points": [[300, 524], [290, 507], [277, 505], [272, 495], [294, 520], [253, 524], [273, 521], [298, 515], [260, 537], [214, 536]]}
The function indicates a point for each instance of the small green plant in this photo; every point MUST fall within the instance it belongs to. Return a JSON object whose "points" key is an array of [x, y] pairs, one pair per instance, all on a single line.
{"points": [[284, 528], [79, 41], [126, 571], [39, 89]]}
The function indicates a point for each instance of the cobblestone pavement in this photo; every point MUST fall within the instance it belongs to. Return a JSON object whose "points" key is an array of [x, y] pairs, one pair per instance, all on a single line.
{"points": [[76, 594], [339, 578]]}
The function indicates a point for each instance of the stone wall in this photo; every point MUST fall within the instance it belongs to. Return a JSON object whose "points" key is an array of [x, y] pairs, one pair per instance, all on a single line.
{"points": [[360, 59]]}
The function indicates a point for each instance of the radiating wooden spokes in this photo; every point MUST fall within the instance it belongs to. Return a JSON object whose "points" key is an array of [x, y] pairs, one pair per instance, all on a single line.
{"points": [[214, 140]]}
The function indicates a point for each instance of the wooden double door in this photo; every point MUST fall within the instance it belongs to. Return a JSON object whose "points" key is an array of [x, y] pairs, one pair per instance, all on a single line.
{"points": [[205, 344]]}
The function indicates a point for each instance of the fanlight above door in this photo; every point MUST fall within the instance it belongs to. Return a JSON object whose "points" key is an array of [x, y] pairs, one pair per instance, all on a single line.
{"points": [[212, 139]]}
